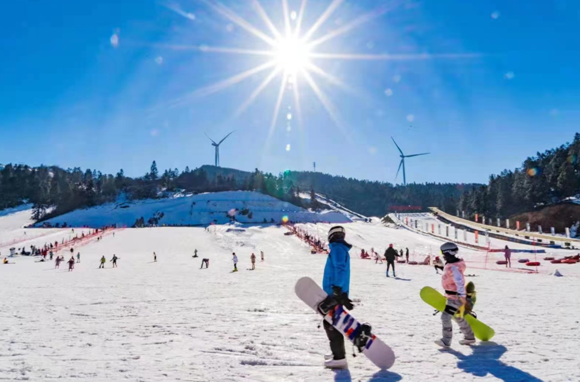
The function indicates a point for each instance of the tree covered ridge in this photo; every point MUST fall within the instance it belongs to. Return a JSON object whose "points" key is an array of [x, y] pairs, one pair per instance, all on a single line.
{"points": [[54, 191], [544, 179]]}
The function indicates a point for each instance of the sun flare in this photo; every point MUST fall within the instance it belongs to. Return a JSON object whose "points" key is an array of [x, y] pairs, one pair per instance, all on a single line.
{"points": [[292, 55]]}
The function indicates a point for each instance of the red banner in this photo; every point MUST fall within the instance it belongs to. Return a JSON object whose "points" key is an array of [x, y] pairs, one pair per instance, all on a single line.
{"points": [[476, 237]]}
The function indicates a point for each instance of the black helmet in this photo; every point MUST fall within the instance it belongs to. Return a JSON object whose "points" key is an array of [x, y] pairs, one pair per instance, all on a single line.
{"points": [[336, 233]]}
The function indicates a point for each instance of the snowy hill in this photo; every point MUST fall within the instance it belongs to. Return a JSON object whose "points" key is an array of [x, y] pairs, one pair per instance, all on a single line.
{"points": [[202, 209]]}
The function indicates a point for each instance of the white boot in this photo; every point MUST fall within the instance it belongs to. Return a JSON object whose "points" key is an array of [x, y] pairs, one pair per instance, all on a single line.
{"points": [[442, 344], [466, 342], [336, 364]]}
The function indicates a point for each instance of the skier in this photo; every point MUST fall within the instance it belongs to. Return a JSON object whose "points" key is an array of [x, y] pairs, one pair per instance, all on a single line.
{"points": [[57, 262], [508, 257], [235, 260], [154, 257], [390, 255], [78, 257], [71, 263], [401, 252], [438, 264], [336, 283], [114, 260], [195, 253], [51, 255], [253, 260], [262, 254], [407, 255], [103, 261], [453, 281], [206, 262]]}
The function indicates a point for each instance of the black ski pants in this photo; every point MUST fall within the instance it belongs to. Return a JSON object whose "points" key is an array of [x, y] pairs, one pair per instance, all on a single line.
{"points": [[336, 340], [390, 264]]}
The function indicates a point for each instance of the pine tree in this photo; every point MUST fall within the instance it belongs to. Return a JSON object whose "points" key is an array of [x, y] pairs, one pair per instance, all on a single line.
{"points": [[154, 173]]}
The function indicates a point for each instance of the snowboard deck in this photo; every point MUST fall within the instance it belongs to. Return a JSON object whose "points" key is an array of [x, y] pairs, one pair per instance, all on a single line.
{"points": [[435, 299], [375, 349]]}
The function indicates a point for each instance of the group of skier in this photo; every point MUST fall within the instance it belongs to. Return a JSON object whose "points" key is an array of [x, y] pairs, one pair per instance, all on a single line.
{"points": [[336, 284], [252, 260]]}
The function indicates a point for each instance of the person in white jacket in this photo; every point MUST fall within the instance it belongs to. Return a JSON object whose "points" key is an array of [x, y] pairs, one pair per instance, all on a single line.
{"points": [[235, 260]]}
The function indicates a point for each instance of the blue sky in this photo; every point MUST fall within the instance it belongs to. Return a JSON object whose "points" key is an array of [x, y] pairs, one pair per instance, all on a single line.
{"points": [[97, 84]]}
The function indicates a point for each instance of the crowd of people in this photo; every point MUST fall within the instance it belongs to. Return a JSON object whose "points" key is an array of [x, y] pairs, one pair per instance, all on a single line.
{"points": [[316, 245]]}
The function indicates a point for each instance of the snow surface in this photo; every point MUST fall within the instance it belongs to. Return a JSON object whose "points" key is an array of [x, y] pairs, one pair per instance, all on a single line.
{"points": [[171, 321], [201, 209]]}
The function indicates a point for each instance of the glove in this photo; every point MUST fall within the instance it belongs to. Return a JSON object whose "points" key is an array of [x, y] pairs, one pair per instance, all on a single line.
{"points": [[342, 298]]}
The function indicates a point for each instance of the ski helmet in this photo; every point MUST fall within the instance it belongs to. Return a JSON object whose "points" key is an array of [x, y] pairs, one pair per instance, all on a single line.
{"points": [[449, 249], [336, 233]]}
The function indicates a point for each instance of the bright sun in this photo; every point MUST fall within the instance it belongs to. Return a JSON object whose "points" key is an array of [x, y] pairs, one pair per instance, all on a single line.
{"points": [[291, 54]]}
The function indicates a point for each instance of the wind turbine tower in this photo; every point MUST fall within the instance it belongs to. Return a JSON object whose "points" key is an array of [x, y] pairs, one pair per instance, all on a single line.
{"points": [[402, 163], [217, 148]]}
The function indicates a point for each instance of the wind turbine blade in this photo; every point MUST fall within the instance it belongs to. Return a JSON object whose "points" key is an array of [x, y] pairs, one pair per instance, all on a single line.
{"points": [[209, 138], [225, 137], [399, 169], [415, 155], [401, 151]]}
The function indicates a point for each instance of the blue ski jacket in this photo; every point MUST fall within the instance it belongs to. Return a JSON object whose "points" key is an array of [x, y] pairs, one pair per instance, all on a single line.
{"points": [[337, 269]]}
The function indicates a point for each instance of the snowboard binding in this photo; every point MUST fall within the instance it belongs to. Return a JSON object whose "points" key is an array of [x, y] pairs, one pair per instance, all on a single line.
{"points": [[362, 338]]}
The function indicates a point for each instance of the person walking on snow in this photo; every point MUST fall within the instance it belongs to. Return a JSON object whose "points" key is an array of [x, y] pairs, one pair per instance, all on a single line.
{"points": [[154, 257], [206, 262], [71, 263], [103, 261], [114, 260], [336, 283], [253, 260], [390, 255], [57, 262], [78, 257], [453, 281], [195, 253], [407, 255], [51, 255], [508, 257], [235, 260]]}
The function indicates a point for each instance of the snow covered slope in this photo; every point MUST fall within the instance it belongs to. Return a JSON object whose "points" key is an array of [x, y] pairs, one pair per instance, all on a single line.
{"points": [[170, 321], [202, 209]]}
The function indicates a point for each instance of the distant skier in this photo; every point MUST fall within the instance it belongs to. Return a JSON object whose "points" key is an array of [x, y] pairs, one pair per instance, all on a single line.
{"points": [[154, 257], [336, 283], [508, 257], [453, 281], [78, 257], [438, 264], [401, 252], [235, 260], [407, 255], [51, 255], [390, 255], [57, 262], [71, 263], [206, 262], [103, 261], [195, 253], [114, 260], [262, 255], [253, 260]]}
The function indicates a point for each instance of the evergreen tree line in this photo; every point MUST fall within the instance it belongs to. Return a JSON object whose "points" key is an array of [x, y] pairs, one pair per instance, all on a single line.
{"points": [[544, 179]]}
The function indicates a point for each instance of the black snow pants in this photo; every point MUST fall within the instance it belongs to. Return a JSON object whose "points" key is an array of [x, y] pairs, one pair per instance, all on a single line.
{"points": [[336, 340], [390, 264]]}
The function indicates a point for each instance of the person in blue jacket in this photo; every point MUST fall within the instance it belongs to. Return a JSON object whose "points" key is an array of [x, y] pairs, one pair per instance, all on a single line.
{"points": [[336, 283]]}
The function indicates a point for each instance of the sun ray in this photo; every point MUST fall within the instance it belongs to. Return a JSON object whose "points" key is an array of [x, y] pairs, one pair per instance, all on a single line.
{"points": [[266, 19], [178, 10], [299, 18], [287, 27], [207, 48], [231, 15], [348, 27], [222, 84], [322, 19], [296, 94], [329, 77], [328, 105], [276, 110], [257, 92], [393, 57]]}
